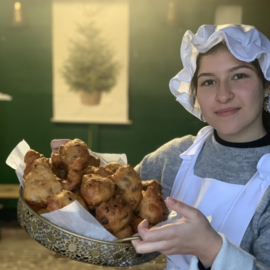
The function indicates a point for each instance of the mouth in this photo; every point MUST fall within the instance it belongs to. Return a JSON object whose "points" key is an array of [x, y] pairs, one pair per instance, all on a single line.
{"points": [[227, 112]]}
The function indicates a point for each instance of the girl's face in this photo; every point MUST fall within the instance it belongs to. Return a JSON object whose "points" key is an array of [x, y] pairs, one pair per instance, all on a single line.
{"points": [[230, 94]]}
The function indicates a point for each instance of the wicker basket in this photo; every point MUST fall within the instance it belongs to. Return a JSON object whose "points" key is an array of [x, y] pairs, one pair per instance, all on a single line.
{"points": [[75, 246]]}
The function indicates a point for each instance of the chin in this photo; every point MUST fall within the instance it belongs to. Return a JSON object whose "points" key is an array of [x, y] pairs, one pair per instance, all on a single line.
{"points": [[224, 129]]}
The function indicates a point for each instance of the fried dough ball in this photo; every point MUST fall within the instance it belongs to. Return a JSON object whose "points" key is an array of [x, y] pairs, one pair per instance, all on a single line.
{"points": [[74, 177], [68, 153], [113, 166], [77, 191], [42, 211], [75, 149], [124, 233], [58, 167], [30, 156], [36, 207], [63, 199], [102, 171], [96, 189], [153, 183], [40, 182], [152, 207], [114, 214], [129, 185]]}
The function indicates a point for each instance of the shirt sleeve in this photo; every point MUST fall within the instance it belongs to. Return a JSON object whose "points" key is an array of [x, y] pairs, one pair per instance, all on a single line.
{"points": [[230, 257]]}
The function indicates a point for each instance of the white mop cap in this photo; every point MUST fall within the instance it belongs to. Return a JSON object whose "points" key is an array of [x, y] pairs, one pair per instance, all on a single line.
{"points": [[245, 42]]}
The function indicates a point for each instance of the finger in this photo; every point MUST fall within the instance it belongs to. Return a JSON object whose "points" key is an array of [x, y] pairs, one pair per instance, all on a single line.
{"points": [[134, 242], [146, 233], [167, 252], [147, 247], [143, 224], [143, 228], [154, 234], [55, 144], [182, 208]]}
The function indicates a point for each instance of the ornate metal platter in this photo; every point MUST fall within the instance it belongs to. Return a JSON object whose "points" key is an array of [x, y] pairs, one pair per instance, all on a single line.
{"points": [[75, 246]]}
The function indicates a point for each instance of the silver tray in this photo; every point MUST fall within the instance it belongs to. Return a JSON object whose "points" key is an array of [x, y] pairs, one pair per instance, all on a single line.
{"points": [[75, 246]]}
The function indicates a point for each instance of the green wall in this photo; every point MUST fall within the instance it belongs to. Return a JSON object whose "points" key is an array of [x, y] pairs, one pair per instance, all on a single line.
{"points": [[26, 75]]}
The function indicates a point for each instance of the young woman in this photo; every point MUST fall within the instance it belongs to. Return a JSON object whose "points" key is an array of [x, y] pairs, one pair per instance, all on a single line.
{"points": [[217, 182], [223, 172]]}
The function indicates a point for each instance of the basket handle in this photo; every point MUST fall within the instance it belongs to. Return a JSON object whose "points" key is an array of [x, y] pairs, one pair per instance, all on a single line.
{"points": [[127, 239]]}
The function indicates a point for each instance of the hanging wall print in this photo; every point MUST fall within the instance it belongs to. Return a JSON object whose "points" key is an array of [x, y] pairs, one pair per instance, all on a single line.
{"points": [[90, 61]]}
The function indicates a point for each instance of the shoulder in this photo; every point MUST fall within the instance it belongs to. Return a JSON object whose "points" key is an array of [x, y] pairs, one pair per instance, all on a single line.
{"points": [[167, 153], [181, 144], [172, 148]]}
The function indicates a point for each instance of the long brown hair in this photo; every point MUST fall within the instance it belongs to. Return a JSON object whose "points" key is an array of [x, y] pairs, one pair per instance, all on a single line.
{"points": [[194, 82]]}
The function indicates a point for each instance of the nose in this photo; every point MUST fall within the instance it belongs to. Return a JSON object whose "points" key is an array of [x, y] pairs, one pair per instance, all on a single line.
{"points": [[224, 92]]}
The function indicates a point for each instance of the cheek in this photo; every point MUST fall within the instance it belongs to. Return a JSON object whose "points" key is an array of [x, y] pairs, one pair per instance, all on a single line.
{"points": [[254, 96], [204, 100]]}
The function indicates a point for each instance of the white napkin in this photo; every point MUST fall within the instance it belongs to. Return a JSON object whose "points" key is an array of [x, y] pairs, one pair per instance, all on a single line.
{"points": [[74, 217], [107, 158], [16, 159]]}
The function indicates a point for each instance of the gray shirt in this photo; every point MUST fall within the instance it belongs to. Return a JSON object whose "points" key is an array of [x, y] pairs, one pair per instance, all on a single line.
{"points": [[228, 164]]}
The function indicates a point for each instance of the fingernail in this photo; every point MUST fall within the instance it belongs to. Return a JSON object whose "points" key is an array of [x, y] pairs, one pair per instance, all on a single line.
{"points": [[145, 221], [170, 200]]}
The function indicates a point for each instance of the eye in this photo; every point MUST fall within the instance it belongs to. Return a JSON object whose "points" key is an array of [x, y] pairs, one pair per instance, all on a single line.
{"points": [[239, 76], [208, 82]]}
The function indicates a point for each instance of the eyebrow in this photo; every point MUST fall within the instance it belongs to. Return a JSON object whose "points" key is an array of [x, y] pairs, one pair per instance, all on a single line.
{"points": [[230, 70]]}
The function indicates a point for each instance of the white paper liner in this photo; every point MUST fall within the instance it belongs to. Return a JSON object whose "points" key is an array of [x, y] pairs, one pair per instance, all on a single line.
{"points": [[74, 217], [77, 219], [107, 158], [16, 159]]}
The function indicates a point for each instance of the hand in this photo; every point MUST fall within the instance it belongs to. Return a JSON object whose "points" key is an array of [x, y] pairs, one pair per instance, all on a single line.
{"points": [[192, 234], [55, 144]]}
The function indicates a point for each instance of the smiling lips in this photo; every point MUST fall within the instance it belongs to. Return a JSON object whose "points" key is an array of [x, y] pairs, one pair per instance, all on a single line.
{"points": [[227, 112]]}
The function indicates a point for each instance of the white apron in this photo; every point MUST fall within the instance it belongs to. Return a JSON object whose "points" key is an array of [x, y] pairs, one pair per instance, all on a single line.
{"points": [[226, 203]]}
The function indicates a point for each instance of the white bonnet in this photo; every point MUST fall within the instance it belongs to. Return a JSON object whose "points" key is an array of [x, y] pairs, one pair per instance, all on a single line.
{"points": [[245, 42]]}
